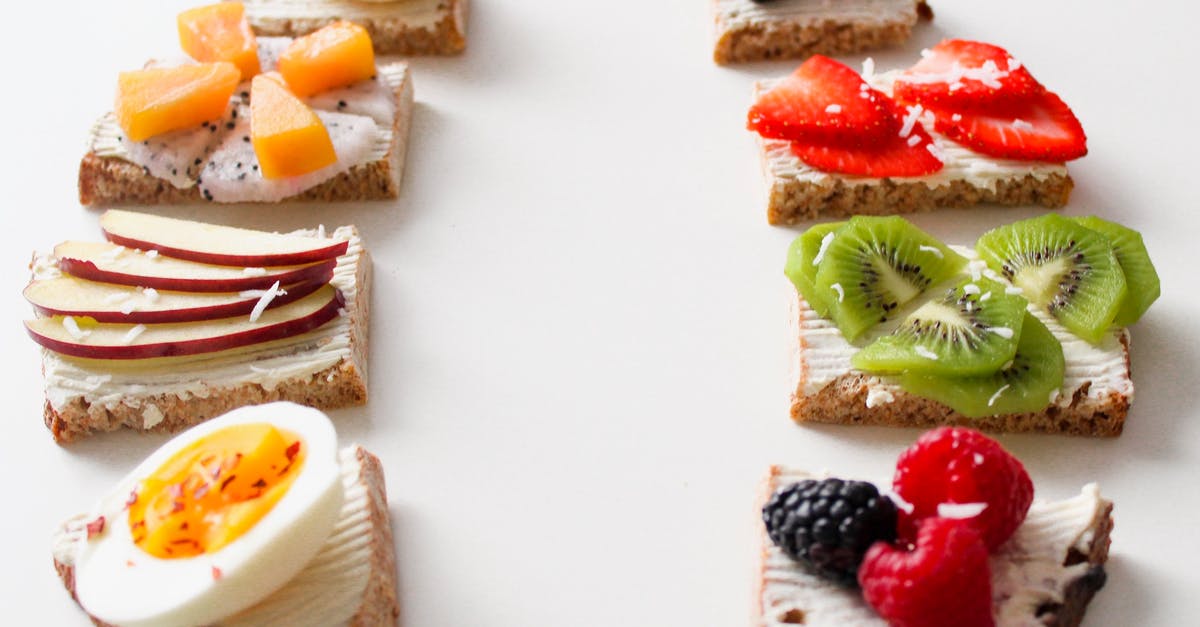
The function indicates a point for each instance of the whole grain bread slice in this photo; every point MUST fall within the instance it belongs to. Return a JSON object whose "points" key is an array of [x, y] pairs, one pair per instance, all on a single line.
{"points": [[339, 385], [745, 30], [111, 180], [421, 27], [362, 537], [1087, 514]]}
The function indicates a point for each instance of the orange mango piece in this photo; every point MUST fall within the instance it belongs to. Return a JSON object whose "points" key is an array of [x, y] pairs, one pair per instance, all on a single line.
{"points": [[220, 32], [335, 56], [159, 100], [289, 139]]}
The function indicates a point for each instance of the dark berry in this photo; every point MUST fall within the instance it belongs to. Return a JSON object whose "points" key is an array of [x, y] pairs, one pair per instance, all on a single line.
{"points": [[828, 525]]}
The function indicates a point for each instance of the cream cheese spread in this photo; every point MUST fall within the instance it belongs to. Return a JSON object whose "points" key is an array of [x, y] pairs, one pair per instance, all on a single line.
{"points": [[325, 593], [959, 162], [113, 382], [821, 353], [419, 14], [1027, 571], [742, 13]]}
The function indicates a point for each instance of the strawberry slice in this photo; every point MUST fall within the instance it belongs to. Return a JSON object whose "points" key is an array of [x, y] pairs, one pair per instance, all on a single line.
{"points": [[823, 101], [894, 155], [1042, 128], [958, 73]]}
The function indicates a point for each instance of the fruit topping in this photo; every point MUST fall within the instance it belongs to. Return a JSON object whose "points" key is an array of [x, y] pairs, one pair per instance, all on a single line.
{"points": [[874, 265], [157, 100], [1062, 266], [963, 74], [828, 525], [804, 255], [912, 154], [951, 466], [1027, 383], [972, 329], [220, 32], [943, 580], [1041, 128], [823, 101], [1141, 279], [334, 56], [288, 137]]}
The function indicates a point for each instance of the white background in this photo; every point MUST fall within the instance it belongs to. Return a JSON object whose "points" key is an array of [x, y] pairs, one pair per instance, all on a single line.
{"points": [[578, 345]]}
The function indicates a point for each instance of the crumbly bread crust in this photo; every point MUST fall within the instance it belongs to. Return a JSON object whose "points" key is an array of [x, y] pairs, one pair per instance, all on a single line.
{"points": [[389, 35], [1069, 613], [844, 401], [791, 201], [380, 603], [794, 39], [341, 385], [114, 181]]}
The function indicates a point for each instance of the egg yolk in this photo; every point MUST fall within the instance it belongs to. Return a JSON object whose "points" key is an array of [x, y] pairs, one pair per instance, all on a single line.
{"points": [[213, 490]]}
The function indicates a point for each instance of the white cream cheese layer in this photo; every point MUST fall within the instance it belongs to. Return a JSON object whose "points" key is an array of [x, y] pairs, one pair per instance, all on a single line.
{"points": [[117, 382], [325, 593], [417, 14], [1027, 571], [821, 353], [742, 13], [960, 162]]}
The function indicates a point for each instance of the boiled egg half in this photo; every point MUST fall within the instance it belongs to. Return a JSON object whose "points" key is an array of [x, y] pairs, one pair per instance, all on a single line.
{"points": [[214, 521]]}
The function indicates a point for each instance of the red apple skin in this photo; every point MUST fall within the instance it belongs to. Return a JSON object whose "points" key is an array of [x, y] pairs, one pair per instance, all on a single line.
{"points": [[193, 314], [332, 251], [199, 346], [88, 270]]}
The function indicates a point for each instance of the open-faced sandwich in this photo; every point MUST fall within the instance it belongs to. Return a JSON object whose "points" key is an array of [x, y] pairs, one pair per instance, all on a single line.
{"points": [[407, 27], [253, 119], [255, 518], [171, 322]]}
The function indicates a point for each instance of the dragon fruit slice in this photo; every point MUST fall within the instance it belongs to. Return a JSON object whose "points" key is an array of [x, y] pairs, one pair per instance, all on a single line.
{"points": [[372, 98], [178, 156]]}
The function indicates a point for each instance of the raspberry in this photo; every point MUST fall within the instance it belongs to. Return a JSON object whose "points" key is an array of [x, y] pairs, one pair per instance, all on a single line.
{"points": [[944, 580], [958, 465], [828, 525]]}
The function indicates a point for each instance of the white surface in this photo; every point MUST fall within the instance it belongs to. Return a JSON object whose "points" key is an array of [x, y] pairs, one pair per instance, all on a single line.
{"points": [[578, 341]]}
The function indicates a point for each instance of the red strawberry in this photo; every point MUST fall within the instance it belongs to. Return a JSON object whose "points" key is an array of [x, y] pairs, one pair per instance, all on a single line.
{"points": [[944, 580], [952, 465], [893, 155], [963, 74], [822, 101], [1042, 128]]}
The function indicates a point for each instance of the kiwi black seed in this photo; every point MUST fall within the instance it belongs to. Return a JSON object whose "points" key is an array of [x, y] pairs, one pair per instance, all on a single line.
{"points": [[1141, 279], [875, 265], [1058, 264], [971, 330], [1028, 383]]}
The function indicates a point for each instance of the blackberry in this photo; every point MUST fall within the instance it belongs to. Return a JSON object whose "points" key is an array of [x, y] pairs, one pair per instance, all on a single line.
{"points": [[828, 525]]}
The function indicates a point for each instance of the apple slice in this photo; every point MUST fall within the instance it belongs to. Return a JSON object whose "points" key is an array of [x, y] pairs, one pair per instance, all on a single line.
{"points": [[110, 263], [212, 243], [109, 302], [82, 337]]}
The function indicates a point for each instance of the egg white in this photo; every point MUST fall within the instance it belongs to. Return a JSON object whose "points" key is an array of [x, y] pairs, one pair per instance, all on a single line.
{"points": [[156, 592]]}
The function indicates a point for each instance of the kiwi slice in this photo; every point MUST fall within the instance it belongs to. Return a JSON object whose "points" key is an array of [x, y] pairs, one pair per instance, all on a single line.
{"points": [[1024, 385], [1062, 266], [971, 330], [874, 265], [1141, 279], [804, 254]]}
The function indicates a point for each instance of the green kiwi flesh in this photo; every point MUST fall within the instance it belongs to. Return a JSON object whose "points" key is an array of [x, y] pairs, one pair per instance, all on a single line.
{"points": [[1025, 385], [1060, 265], [971, 330], [1141, 279], [804, 254], [874, 265]]}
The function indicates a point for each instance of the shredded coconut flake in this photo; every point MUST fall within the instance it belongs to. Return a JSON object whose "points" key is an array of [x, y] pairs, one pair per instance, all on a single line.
{"points": [[933, 250], [837, 287], [960, 511], [970, 288], [897, 499], [957, 117], [825, 242], [910, 120], [264, 301], [133, 334], [1013, 64], [878, 396], [936, 151], [254, 271], [996, 396], [925, 352], [833, 108], [150, 294], [152, 254], [868, 68], [986, 295], [72, 327], [1003, 332], [913, 140], [1022, 125], [321, 231]]}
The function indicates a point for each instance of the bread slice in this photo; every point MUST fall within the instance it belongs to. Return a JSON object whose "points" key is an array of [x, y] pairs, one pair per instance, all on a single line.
{"points": [[413, 27], [1065, 542], [746, 30], [105, 178], [1095, 398], [351, 581], [325, 368]]}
